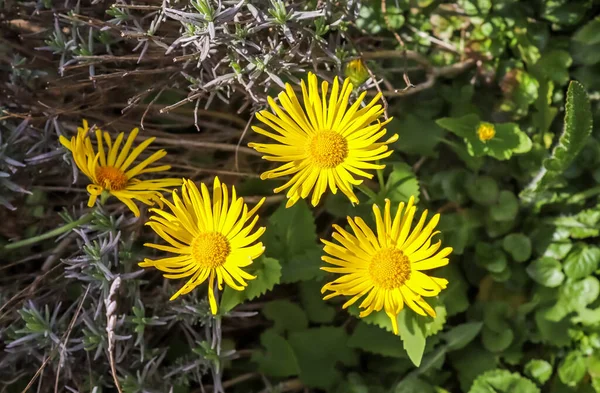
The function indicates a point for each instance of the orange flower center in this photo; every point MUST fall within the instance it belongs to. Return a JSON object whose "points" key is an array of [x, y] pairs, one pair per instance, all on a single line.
{"points": [[389, 268], [486, 131], [111, 178], [210, 249], [327, 149]]}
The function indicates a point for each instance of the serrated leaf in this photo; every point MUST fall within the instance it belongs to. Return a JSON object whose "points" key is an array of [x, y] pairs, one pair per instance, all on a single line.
{"points": [[577, 128], [503, 381], [436, 324], [538, 370], [373, 339], [278, 359], [546, 271], [268, 274], [551, 332], [582, 261], [572, 369], [471, 362], [401, 184], [461, 335], [286, 315]]}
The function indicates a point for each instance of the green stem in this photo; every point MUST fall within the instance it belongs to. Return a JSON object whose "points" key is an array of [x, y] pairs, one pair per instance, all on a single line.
{"points": [[576, 198], [56, 232], [367, 191]]}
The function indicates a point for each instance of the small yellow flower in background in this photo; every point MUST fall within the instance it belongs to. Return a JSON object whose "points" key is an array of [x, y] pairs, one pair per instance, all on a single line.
{"points": [[357, 72], [486, 131], [210, 239], [111, 168], [325, 142], [387, 266]]}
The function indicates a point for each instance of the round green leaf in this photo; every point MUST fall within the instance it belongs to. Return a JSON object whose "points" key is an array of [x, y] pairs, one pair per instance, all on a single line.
{"points": [[484, 190], [582, 261], [518, 246], [507, 207], [572, 369], [539, 370], [546, 271]]}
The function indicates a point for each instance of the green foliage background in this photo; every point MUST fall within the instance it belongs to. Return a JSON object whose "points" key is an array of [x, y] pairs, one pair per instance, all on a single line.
{"points": [[521, 312]]}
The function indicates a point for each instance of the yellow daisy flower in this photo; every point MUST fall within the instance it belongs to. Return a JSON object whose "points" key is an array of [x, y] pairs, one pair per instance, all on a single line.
{"points": [[325, 143], [109, 170], [387, 267], [209, 240]]}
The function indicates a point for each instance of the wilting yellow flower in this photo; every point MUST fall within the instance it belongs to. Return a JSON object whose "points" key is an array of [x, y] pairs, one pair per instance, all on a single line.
{"points": [[110, 170], [486, 131], [387, 267], [357, 72], [209, 239], [323, 143]]}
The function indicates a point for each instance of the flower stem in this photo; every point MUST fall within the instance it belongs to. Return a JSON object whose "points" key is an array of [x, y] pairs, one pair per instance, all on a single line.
{"points": [[53, 233], [367, 191]]}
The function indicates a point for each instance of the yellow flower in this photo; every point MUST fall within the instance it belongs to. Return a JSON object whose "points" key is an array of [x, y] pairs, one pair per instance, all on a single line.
{"points": [[209, 240], [387, 267], [486, 131], [109, 170], [357, 72], [324, 143]]}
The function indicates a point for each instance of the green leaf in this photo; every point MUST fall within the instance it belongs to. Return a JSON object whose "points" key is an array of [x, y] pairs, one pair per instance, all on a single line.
{"points": [[582, 225], [459, 229], [502, 381], [555, 65], [267, 272], [454, 297], [461, 335], [303, 267], [573, 296], [464, 127], [577, 128], [496, 341], [483, 190], [582, 261], [545, 113], [373, 339], [518, 246], [572, 369], [539, 370], [590, 33], [316, 309], [401, 184], [318, 350], [506, 208], [291, 232], [470, 362], [412, 332], [413, 385], [436, 324], [546, 271], [286, 315], [378, 318], [278, 359], [553, 333], [587, 317], [491, 257], [416, 136]]}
